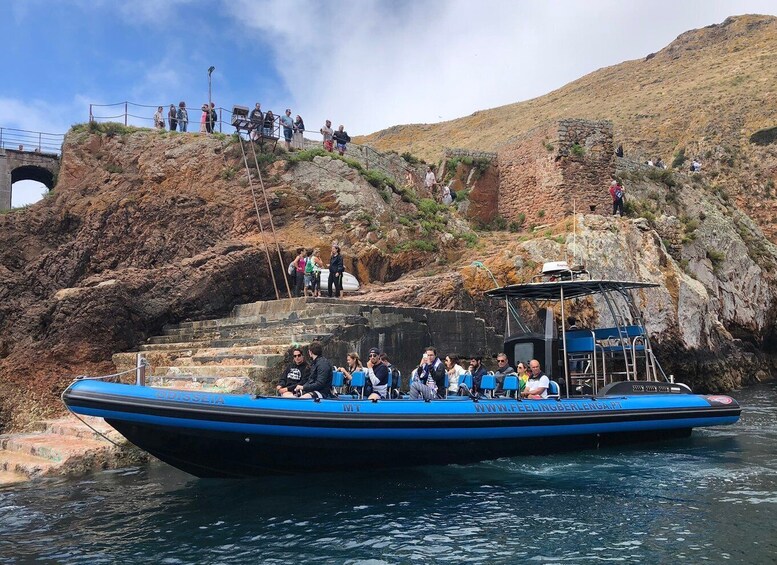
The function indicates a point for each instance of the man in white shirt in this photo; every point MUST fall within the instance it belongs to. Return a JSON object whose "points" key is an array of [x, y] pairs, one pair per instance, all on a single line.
{"points": [[430, 179], [538, 383]]}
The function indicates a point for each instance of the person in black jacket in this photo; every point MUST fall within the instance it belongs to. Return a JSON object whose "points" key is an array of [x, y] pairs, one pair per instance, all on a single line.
{"points": [[319, 383], [436, 369], [296, 374], [477, 370], [336, 270]]}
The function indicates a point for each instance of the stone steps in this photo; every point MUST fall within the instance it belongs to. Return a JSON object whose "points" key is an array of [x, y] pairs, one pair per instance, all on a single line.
{"points": [[253, 327], [209, 371], [62, 447], [208, 383]]}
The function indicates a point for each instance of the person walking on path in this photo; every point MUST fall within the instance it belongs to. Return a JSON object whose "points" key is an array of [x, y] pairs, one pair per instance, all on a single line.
{"points": [[336, 270], [617, 192]]}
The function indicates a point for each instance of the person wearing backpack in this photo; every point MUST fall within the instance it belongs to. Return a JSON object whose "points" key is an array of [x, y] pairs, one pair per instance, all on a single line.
{"points": [[617, 192]]}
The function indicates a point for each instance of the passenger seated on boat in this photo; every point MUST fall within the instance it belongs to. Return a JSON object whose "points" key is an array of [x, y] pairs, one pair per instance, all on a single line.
{"points": [[319, 384], [377, 374], [352, 364], [523, 375], [422, 383], [502, 371], [296, 373], [538, 383], [477, 371], [454, 372]]}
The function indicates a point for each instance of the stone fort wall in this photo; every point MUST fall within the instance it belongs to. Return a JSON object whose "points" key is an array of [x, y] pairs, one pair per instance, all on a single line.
{"points": [[543, 173]]}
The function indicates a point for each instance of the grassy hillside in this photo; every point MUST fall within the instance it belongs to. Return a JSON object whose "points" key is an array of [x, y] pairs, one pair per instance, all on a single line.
{"points": [[709, 87]]}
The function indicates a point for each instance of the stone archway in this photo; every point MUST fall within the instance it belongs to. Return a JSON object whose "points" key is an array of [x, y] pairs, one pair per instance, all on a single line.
{"points": [[33, 172], [16, 165]]}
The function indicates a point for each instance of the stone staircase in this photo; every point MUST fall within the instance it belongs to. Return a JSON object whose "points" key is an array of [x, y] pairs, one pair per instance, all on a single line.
{"points": [[64, 446], [245, 351]]}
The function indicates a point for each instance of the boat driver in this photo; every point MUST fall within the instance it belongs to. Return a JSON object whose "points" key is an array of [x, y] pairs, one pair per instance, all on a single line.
{"points": [[538, 383]]}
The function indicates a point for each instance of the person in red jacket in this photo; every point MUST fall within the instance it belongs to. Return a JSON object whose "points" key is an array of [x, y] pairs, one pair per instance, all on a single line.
{"points": [[617, 192]]}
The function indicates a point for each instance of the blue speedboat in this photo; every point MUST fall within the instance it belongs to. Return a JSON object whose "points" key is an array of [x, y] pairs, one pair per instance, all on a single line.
{"points": [[606, 387]]}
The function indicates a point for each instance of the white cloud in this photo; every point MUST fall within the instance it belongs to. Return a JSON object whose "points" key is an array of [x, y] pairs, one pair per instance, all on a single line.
{"points": [[372, 64]]}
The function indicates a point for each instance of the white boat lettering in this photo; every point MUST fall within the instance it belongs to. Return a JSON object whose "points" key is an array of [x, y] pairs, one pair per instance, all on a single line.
{"points": [[182, 396], [540, 406]]}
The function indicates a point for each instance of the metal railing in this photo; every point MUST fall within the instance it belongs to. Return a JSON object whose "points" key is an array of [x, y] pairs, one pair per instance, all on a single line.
{"points": [[130, 114], [36, 141]]}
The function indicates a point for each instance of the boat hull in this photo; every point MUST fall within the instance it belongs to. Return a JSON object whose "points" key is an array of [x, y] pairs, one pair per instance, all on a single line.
{"points": [[215, 435]]}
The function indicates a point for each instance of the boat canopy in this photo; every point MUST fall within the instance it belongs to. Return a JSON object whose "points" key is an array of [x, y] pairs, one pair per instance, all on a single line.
{"points": [[568, 289]]}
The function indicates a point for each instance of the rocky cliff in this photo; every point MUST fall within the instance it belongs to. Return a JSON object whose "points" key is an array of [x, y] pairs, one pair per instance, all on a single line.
{"points": [[707, 95]]}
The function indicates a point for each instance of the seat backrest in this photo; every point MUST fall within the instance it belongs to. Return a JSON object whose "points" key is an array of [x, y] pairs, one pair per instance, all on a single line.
{"points": [[488, 382], [510, 383], [580, 344], [337, 379], [358, 378], [553, 390], [466, 380]]}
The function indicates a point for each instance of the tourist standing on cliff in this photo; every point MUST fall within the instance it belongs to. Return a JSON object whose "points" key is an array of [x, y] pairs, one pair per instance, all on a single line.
{"points": [[617, 192], [159, 120], [341, 138], [256, 118], [172, 117], [336, 270], [183, 117], [213, 118], [299, 133], [327, 132], [430, 180], [269, 124], [288, 128], [204, 118]]}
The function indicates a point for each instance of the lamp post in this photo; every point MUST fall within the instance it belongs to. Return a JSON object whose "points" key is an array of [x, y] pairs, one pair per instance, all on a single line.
{"points": [[210, 72]]}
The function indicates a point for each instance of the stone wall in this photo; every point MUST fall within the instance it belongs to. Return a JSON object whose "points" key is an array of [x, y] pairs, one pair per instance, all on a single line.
{"points": [[548, 170]]}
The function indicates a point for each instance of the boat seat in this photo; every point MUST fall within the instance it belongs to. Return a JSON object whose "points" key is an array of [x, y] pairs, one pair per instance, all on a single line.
{"points": [[338, 379], [487, 385], [358, 380], [465, 383], [511, 385], [553, 389]]}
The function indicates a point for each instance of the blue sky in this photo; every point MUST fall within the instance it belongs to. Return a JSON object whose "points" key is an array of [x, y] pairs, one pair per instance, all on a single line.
{"points": [[366, 64]]}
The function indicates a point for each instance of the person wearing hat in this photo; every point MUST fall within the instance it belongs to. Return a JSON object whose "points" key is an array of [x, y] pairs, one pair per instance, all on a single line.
{"points": [[378, 374]]}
